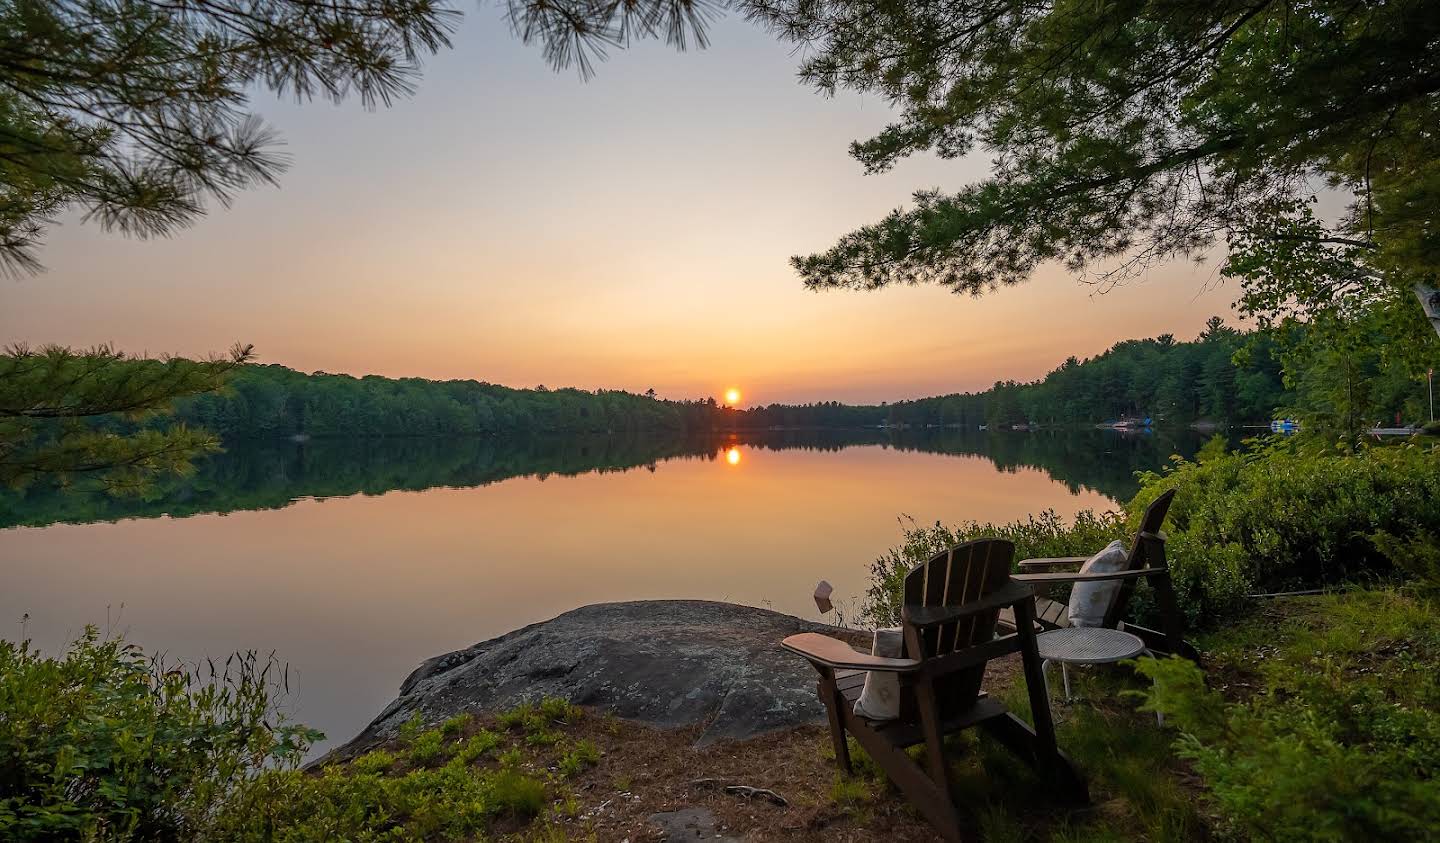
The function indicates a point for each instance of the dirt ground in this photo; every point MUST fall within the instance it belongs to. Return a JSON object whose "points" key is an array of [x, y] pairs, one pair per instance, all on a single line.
{"points": [[644, 771]]}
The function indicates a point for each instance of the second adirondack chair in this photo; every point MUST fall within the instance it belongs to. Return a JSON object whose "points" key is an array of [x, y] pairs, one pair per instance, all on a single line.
{"points": [[1146, 560]]}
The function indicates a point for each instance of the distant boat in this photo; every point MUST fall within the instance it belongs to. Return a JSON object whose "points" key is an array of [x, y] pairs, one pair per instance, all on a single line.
{"points": [[1393, 431], [984, 427], [1284, 426]]}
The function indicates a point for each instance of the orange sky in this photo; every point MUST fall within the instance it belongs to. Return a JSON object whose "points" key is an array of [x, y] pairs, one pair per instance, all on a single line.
{"points": [[515, 225]]}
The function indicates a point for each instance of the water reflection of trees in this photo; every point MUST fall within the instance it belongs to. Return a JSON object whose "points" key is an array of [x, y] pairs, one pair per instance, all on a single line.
{"points": [[271, 475]]}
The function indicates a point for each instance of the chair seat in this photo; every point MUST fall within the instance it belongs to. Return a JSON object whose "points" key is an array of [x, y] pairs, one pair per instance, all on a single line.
{"points": [[902, 734], [1049, 614]]}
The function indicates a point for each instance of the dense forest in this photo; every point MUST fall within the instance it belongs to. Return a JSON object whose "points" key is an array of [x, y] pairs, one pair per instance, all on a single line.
{"points": [[1160, 378], [1169, 381], [269, 401]]}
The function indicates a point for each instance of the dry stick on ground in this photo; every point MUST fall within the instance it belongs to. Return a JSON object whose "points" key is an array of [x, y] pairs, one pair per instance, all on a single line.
{"points": [[744, 791]]}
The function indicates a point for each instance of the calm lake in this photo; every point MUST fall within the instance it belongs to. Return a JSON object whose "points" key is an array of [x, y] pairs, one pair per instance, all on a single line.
{"points": [[354, 561]]}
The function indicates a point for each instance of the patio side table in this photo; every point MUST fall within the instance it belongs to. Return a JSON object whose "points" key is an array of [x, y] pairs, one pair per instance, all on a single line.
{"points": [[1086, 645]]}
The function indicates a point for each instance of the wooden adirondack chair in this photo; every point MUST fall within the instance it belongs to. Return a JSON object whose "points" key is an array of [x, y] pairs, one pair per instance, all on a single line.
{"points": [[1146, 560], [948, 619]]}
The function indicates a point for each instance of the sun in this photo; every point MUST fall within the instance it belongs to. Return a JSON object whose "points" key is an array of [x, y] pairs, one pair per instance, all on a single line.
{"points": [[732, 396], [732, 456]]}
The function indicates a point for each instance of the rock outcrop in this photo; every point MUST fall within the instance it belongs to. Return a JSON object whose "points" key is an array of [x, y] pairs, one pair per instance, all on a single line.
{"points": [[668, 663]]}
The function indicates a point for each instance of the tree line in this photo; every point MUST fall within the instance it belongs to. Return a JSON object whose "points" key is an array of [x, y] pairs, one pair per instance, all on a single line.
{"points": [[1164, 379]]}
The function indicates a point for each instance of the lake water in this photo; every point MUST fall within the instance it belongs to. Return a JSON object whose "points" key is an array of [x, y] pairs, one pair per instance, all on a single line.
{"points": [[354, 561]]}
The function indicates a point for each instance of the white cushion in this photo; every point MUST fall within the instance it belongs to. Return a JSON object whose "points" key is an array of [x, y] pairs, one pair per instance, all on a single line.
{"points": [[1090, 600], [880, 698]]}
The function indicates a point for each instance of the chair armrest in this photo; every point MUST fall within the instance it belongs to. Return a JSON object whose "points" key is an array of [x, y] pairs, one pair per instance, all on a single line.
{"points": [[1112, 575], [1039, 564], [837, 655], [1008, 594]]}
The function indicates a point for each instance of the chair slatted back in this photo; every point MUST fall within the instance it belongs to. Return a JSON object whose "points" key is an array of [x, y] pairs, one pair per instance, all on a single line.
{"points": [[954, 577], [1151, 522]]}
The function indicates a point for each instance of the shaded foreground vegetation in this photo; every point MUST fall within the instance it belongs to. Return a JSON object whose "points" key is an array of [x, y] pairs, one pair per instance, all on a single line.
{"points": [[1322, 721]]}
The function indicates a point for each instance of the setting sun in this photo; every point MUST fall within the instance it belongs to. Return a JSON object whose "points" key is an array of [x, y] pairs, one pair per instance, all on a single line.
{"points": [[732, 396], [732, 456]]}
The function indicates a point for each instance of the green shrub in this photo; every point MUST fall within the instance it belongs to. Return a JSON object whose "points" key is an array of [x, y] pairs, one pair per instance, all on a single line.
{"points": [[1040, 535], [453, 726], [522, 716], [1342, 741], [514, 793], [583, 754], [479, 744], [559, 710], [373, 763], [449, 802], [1417, 555], [411, 728], [426, 747], [1289, 516], [105, 743]]}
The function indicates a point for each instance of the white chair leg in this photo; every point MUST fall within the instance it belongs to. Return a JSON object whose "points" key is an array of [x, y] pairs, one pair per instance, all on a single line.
{"points": [[1045, 676], [1065, 675]]}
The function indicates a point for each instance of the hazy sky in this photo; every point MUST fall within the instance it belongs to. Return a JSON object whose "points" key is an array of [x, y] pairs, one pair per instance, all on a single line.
{"points": [[516, 225]]}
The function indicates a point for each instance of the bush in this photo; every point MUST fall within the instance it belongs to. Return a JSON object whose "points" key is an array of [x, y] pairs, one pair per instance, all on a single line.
{"points": [[584, 754], [424, 799], [449, 802], [558, 710], [1417, 555], [104, 743], [1342, 741], [479, 744], [1043, 535], [427, 747], [456, 724], [1287, 516]]}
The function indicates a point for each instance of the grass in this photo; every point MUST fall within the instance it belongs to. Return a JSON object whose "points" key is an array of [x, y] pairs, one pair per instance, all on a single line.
{"points": [[850, 791], [459, 780], [426, 747], [1321, 718], [583, 755]]}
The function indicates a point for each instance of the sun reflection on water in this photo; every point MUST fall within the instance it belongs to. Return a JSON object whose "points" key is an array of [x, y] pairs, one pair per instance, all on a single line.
{"points": [[732, 456]]}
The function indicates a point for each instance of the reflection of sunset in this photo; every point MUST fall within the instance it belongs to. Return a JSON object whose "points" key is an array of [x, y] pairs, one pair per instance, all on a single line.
{"points": [[732, 396], [732, 456], [750, 535]]}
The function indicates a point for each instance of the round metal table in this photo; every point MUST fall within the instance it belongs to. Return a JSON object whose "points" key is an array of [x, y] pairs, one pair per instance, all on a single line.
{"points": [[1085, 645]]}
